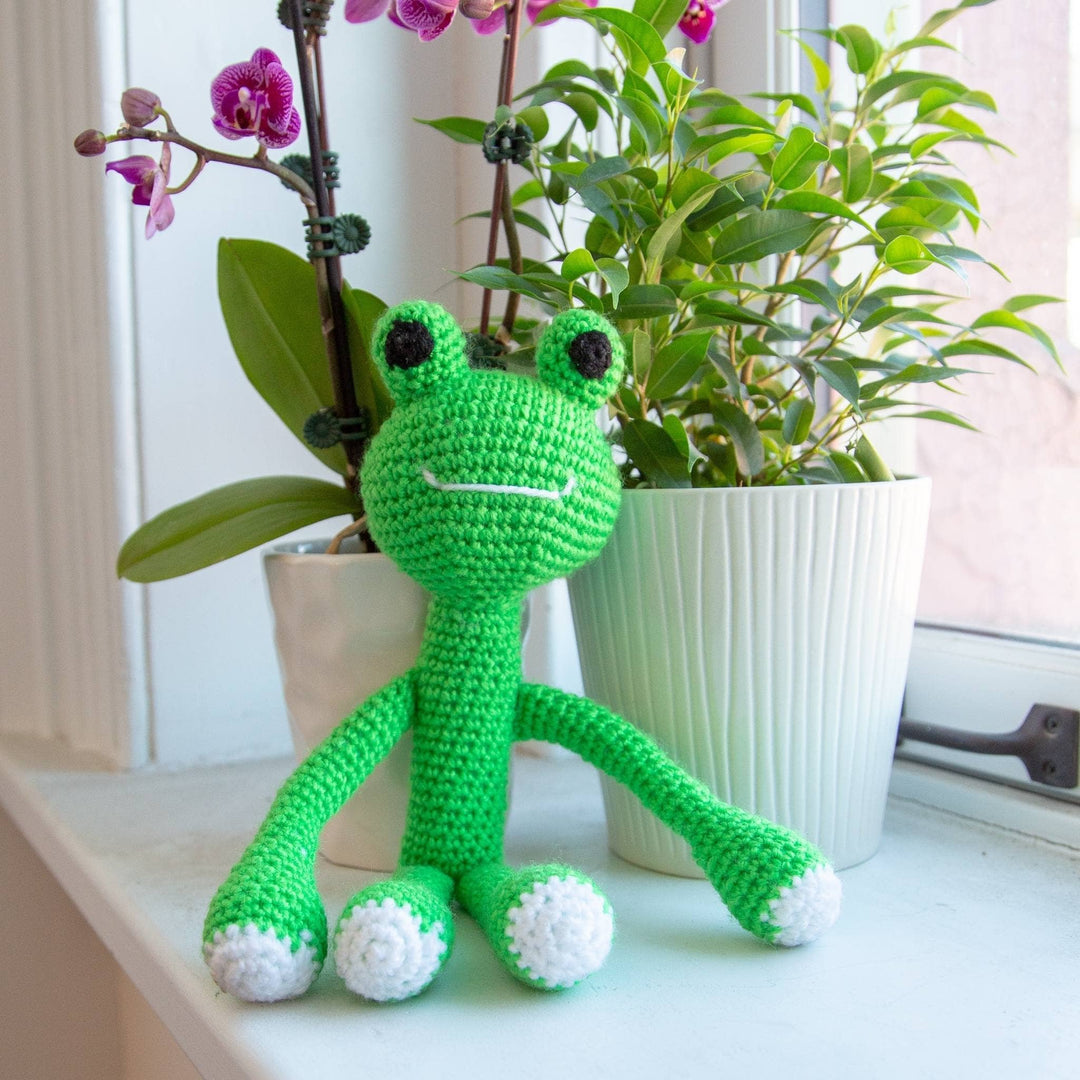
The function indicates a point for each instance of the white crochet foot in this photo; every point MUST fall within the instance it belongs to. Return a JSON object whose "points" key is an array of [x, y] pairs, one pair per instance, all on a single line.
{"points": [[257, 965], [383, 955], [560, 932], [806, 908]]}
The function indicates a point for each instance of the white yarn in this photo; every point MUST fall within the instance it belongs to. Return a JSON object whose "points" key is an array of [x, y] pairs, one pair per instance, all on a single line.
{"points": [[502, 489], [383, 955], [561, 931], [806, 908], [257, 965]]}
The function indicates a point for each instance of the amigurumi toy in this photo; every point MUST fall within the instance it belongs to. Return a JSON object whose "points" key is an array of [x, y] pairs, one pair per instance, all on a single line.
{"points": [[483, 485]]}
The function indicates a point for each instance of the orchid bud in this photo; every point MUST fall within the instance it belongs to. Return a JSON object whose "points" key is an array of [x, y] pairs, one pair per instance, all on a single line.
{"points": [[139, 106], [476, 9], [90, 143]]}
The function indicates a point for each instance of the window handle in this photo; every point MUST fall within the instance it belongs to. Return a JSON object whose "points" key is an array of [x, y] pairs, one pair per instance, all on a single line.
{"points": [[1047, 742]]}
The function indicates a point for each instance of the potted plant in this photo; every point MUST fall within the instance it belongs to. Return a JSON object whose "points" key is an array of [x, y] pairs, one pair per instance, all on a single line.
{"points": [[777, 275], [346, 620]]}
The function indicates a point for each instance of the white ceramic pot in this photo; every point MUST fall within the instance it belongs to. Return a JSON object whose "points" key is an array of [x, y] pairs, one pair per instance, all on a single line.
{"points": [[762, 637], [344, 626]]}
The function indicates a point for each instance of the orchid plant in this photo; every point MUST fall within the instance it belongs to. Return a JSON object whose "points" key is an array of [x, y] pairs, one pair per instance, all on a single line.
{"points": [[304, 344]]}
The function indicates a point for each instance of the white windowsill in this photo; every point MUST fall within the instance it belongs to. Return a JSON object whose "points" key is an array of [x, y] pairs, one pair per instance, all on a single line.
{"points": [[955, 955]]}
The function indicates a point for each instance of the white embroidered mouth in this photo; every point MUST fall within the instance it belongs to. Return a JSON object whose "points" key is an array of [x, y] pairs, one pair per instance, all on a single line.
{"points": [[501, 489]]}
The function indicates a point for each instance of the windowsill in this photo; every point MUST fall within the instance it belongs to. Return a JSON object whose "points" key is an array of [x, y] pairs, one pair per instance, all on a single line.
{"points": [[954, 955]]}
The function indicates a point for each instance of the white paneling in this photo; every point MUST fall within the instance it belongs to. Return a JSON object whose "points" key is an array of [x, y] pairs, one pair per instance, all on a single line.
{"points": [[62, 652]]}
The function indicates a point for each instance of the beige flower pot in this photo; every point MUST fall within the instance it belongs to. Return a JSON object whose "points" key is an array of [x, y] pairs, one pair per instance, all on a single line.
{"points": [[344, 626]]}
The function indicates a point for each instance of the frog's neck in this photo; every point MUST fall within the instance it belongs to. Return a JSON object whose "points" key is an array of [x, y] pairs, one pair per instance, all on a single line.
{"points": [[479, 643]]}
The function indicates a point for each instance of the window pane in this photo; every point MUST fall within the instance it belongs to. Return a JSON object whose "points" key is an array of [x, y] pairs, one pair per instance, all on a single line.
{"points": [[1003, 549]]}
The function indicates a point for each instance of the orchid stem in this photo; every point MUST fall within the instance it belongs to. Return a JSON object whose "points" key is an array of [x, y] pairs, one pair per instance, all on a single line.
{"points": [[327, 267], [502, 170]]}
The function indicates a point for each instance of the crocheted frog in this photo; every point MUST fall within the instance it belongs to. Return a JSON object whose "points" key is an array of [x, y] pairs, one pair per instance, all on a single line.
{"points": [[483, 485]]}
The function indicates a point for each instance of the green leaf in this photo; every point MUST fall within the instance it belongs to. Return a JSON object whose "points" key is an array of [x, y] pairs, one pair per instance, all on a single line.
{"points": [[977, 347], [813, 202], [848, 471], [907, 255], [643, 45], [940, 415], [914, 83], [499, 277], [662, 14], [800, 101], [655, 454], [578, 263], [616, 275], [798, 419], [271, 311], [645, 117], [537, 121], [871, 461], [939, 19], [677, 363], [640, 354], [841, 376], [820, 66], [362, 311], [1007, 320], [731, 112], [856, 169], [736, 142], [462, 129], [798, 158], [1027, 300], [606, 168], [665, 240], [769, 232], [744, 435], [646, 302], [862, 49], [226, 522]]}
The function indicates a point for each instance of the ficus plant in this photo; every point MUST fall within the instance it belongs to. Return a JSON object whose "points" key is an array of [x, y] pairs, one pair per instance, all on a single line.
{"points": [[771, 268]]}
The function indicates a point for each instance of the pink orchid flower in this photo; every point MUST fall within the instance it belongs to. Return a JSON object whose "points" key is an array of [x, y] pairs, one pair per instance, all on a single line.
{"points": [[255, 98], [149, 180], [698, 18], [426, 18], [497, 19]]}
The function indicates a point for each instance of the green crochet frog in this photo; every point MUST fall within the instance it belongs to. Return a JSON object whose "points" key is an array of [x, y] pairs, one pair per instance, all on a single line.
{"points": [[482, 485]]}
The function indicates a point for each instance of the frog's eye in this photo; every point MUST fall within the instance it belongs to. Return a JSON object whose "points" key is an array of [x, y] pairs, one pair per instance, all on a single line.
{"points": [[408, 344], [581, 355], [590, 353], [418, 347]]}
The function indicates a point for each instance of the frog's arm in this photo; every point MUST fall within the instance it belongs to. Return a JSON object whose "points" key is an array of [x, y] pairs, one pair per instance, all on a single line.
{"points": [[776, 885], [265, 932]]}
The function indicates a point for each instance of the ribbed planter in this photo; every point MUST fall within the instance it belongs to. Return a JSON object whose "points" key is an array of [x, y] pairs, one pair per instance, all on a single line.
{"points": [[344, 626], [762, 637]]}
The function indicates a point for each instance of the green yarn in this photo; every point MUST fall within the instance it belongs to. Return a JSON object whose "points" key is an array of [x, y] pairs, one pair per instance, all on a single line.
{"points": [[744, 856], [483, 485], [273, 884]]}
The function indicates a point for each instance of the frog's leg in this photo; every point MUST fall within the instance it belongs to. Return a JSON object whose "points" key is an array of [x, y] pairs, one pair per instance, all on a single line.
{"points": [[394, 936], [778, 886], [265, 933], [549, 925]]}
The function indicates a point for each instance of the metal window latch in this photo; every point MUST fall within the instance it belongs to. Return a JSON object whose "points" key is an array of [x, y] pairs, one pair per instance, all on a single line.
{"points": [[1047, 742]]}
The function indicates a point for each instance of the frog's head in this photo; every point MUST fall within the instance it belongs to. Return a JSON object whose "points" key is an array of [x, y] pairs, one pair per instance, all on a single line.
{"points": [[482, 485]]}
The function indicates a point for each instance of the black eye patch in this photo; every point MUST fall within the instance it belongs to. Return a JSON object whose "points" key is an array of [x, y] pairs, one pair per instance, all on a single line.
{"points": [[408, 344], [590, 353]]}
